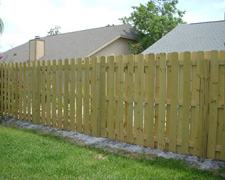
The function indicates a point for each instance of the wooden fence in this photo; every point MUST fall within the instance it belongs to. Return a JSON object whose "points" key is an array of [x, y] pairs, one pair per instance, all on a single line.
{"points": [[172, 102]]}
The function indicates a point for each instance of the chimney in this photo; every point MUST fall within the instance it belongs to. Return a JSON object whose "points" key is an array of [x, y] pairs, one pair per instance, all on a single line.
{"points": [[36, 48]]}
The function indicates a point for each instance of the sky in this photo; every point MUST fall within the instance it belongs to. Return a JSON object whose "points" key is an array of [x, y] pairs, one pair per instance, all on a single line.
{"points": [[25, 19]]}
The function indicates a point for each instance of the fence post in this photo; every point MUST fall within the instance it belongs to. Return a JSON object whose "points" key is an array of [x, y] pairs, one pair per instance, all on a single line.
{"points": [[86, 96], [20, 89], [43, 78], [202, 105], [79, 96], [98, 120], [149, 95], [102, 98], [54, 94], [38, 98], [8, 89], [25, 91], [129, 59], [173, 107], [222, 156], [94, 98], [162, 100], [119, 124], [48, 92], [139, 99], [203, 153], [34, 89], [110, 94], [199, 104], [1, 72], [13, 90], [66, 93], [72, 91], [213, 103], [186, 103]]}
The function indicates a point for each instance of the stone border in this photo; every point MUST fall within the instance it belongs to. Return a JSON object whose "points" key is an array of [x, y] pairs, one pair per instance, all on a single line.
{"points": [[82, 139]]}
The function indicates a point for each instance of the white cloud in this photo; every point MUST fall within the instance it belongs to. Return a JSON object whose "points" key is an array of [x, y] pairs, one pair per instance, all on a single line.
{"points": [[24, 19], [220, 4], [197, 16], [202, 10]]}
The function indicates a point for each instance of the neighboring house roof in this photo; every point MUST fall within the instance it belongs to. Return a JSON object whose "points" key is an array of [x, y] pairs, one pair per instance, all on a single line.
{"points": [[206, 36], [75, 44]]}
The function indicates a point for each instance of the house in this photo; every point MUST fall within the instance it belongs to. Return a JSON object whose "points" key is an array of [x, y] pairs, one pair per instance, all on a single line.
{"points": [[86, 43], [205, 36]]}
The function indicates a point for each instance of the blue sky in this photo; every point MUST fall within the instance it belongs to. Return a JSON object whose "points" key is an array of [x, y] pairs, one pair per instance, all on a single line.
{"points": [[24, 19]]}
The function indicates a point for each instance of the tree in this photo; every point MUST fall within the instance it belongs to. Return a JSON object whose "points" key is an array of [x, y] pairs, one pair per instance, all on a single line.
{"points": [[1, 26], [54, 31], [153, 21]]}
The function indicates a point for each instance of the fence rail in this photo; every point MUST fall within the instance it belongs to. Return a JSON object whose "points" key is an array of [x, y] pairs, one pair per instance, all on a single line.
{"points": [[172, 102]]}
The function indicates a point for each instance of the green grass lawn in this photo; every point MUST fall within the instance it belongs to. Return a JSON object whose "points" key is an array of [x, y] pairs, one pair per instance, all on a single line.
{"points": [[30, 155]]}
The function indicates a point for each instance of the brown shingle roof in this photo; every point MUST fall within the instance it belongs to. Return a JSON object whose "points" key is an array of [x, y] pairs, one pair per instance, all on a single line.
{"points": [[75, 44]]}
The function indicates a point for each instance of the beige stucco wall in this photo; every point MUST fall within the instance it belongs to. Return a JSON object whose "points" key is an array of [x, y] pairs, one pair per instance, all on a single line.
{"points": [[118, 47]]}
